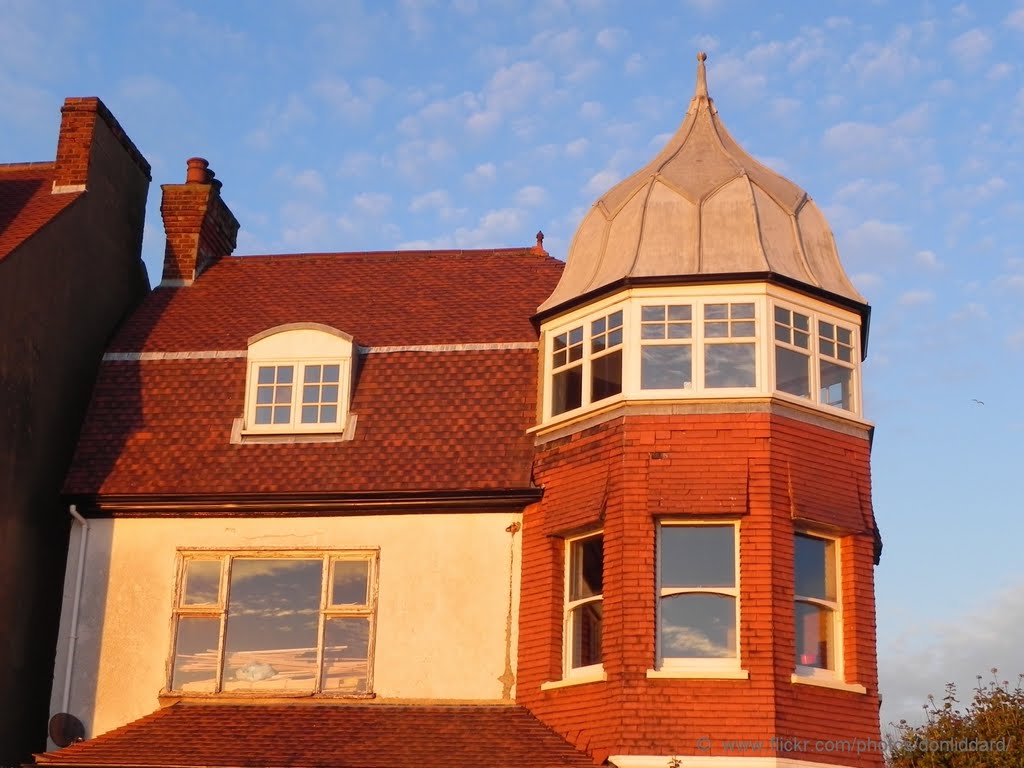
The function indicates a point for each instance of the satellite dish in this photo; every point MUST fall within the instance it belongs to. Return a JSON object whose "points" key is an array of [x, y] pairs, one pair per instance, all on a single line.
{"points": [[66, 729]]}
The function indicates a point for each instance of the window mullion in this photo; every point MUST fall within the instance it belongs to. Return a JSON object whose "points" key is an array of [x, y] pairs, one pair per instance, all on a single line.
{"points": [[222, 632]]}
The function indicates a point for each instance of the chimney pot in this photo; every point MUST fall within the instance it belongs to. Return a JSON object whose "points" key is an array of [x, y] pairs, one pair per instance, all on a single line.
{"points": [[197, 171]]}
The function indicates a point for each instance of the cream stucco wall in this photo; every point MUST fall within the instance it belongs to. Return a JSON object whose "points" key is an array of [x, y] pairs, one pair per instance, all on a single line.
{"points": [[447, 587]]}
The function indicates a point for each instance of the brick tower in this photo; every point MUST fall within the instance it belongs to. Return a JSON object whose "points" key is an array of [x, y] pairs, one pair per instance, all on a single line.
{"points": [[699, 573]]}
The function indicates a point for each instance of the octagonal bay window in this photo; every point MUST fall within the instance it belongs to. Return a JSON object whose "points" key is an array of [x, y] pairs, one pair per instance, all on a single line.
{"points": [[699, 343]]}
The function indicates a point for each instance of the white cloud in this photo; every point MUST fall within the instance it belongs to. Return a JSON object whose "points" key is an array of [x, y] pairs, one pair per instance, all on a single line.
{"points": [[309, 180], [956, 650], [495, 228], [867, 280], [591, 110], [928, 260], [484, 173], [308, 227], [414, 158], [875, 243], [339, 95], [1016, 339], [971, 45], [480, 123], [1015, 20], [972, 310], [436, 200], [414, 14], [372, 203], [531, 196], [279, 120], [577, 147], [988, 188], [602, 181], [635, 64], [888, 61], [611, 38], [357, 163], [999, 70], [880, 145], [915, 298], [706, 43], [514, 87]]}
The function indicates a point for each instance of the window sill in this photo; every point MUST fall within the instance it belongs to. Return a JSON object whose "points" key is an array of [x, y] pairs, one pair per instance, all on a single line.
{"points": [[240, 435], [698, 674], [166, 698], [599, 676], [826, 682]]}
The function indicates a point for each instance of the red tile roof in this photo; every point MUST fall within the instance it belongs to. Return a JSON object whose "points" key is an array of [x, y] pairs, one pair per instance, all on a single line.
{"points": [[382, 299], [27, 203], [426, 421], [328, 736]]}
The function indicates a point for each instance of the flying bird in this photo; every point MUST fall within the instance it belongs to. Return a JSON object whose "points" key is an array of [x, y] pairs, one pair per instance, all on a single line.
{"points": [[975, 400]]}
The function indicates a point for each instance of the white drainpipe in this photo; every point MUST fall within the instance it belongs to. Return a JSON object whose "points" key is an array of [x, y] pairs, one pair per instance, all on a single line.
{"points": [[79, 578]]}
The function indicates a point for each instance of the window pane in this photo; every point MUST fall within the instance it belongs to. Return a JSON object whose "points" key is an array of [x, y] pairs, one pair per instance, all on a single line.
{"points": [[597, 327], [202, 583], [680, 330], [567, 390], [195, 655], [680, 312], [585, 623], [284, 374], [729, 365], [312, 374], [814, 566], [782, 315], [782, 333], [716, 330], [309, 414], [698, 556], [310, 393], [716, 311], [615, 319], [349, 582], [266, 375], [815, 646], [346, 655], [263, 415], [329, 393], [742, 311], [606, 376], [651, 313], [282, 414], [576, 335], [792, 372], [836, 385], [652, 331], [331, 373], [615, 337], [586, 568], [802, 322], [328, 414], [743, 329], [666, 367], [272, 620], [283, 394], [802, 339], [264, 395], [698, 626]]}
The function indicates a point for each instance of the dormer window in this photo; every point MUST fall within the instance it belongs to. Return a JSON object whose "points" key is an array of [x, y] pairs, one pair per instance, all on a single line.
{"points": [[299, 380]]}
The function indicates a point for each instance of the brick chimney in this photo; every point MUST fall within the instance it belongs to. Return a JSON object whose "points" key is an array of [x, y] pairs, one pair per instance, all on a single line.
{"points": [[88, 132], [200, 227]]}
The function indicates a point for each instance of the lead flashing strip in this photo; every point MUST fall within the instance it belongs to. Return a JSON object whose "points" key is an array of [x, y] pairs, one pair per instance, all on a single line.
{"points": [[220, 354]]}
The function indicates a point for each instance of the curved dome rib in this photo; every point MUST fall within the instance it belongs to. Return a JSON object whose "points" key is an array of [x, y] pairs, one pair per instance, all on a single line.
{"points": [[658, 221]]}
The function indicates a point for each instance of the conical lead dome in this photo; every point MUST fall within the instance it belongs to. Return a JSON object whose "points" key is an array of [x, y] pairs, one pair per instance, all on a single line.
{"points": [[703, 206]]}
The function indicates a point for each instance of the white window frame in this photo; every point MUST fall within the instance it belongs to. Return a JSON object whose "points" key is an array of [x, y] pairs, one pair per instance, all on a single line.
{"points": [[591, 670], [220, 611], [765, 297], [299, 346], [682, 666], [817, 356], [811, 673]]}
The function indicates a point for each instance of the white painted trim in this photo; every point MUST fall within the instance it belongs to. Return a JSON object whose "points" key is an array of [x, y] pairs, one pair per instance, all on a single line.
{"points": [[592, 677], [697, 674], [825, 682], [241, 353], [175, 283], [713, 761], [475, 347], [213, 354]]}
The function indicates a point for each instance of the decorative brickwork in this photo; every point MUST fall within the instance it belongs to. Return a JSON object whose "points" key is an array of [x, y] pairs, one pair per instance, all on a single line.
{"points": [[771, 472]]}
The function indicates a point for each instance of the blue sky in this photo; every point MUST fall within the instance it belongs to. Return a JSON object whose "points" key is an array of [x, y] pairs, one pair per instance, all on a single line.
{"points": [[469, 123]]}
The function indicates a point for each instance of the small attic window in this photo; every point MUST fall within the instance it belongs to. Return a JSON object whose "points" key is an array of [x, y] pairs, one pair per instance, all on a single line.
{"points": [[299, 380]]}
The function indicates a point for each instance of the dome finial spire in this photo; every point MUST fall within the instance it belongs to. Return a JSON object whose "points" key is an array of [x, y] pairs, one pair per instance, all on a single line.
{"points": [[702, 77]]}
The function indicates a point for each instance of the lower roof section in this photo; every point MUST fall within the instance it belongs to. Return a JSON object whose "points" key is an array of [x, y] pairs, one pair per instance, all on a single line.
{"points": [[214, 735]]}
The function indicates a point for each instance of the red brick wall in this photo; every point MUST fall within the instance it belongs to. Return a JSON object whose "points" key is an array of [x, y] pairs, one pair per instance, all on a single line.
{"points": [[762, 469], [200, 228]]}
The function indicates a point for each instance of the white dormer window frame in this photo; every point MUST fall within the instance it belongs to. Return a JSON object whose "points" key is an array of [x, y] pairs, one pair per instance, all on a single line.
{"points": [[704, 342], [298, 380]]}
